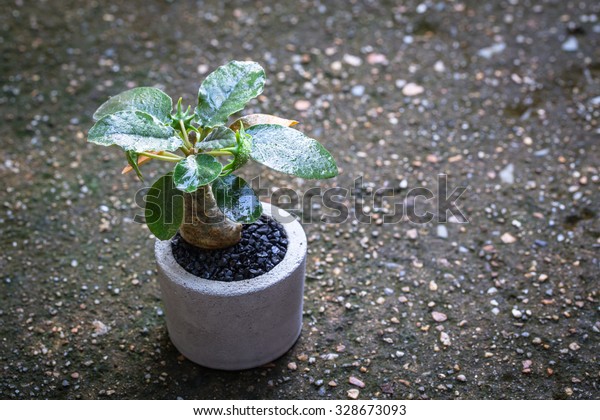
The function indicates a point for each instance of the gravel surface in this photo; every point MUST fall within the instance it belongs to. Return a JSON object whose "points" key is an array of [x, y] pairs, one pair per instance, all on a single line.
{"points": [[262, 247], [502, 96]]}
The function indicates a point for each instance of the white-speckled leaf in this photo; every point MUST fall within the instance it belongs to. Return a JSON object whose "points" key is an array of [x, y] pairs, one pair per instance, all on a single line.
{"points": [[134, 130], [290, 151], [236, 199], [219, 138], [227, 90], [196, 171], [146, 99]]}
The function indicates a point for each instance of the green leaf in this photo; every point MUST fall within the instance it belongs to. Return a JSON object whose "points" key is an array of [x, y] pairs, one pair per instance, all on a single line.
{"points": [[132, 159], [134, 130], [227, 90], [196, 171], [236, 199], [164, 208], [219, 138], [290, 151], [147, 99]]}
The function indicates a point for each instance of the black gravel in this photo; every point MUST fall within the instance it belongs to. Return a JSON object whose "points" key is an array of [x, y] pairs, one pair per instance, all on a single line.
{"points": [[263, 246]]}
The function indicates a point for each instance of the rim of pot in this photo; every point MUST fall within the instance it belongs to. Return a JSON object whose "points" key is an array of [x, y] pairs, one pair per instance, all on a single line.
{"points": [[294, 257]]}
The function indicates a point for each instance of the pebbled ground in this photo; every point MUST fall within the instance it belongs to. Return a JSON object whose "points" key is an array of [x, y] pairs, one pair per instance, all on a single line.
{"points": [[502, 96]]}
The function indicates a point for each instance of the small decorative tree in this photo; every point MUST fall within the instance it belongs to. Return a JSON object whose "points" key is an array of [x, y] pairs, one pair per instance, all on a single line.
{"points": [[201, 197]]}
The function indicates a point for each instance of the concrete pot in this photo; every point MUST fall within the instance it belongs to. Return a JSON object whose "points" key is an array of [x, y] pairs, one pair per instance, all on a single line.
{"points": [[236, 325]]}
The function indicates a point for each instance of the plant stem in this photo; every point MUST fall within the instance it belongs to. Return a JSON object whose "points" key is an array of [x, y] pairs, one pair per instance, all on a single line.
{"points": [[186, 140], [173, 158], [203, 133], [173, 155], [221, 152], [204, 225]]}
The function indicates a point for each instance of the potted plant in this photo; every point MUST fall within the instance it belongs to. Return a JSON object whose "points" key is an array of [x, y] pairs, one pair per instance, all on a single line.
{"points": [[231, 275]]}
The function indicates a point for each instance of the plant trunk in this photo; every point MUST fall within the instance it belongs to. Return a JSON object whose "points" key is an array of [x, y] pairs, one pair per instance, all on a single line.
{"points": [[204, 225]]}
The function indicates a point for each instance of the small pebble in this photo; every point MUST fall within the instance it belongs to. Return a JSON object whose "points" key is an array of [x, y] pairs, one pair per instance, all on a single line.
{"points": [[439, 316], [516, 313], [356, 382], [376, 58], [99, 327], [358, 90], [353, 393], [570, 45], [352, 60], [400, 83], [302, 105], [507, 238], [442, 231], [507, 174], [412, 89], [492, 50]]}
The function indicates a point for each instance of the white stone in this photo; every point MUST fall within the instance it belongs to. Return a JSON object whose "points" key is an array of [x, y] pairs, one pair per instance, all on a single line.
{"points": [[570, 45], [412, 234], [412, 89], [442, 231], [507, 238], [99, 327], [352, 60], [492, 50], [358, 90], [507, 174]]}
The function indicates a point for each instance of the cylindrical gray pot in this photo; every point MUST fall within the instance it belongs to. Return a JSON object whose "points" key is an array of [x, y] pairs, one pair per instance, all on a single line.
{"points": [[241, 324]]}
